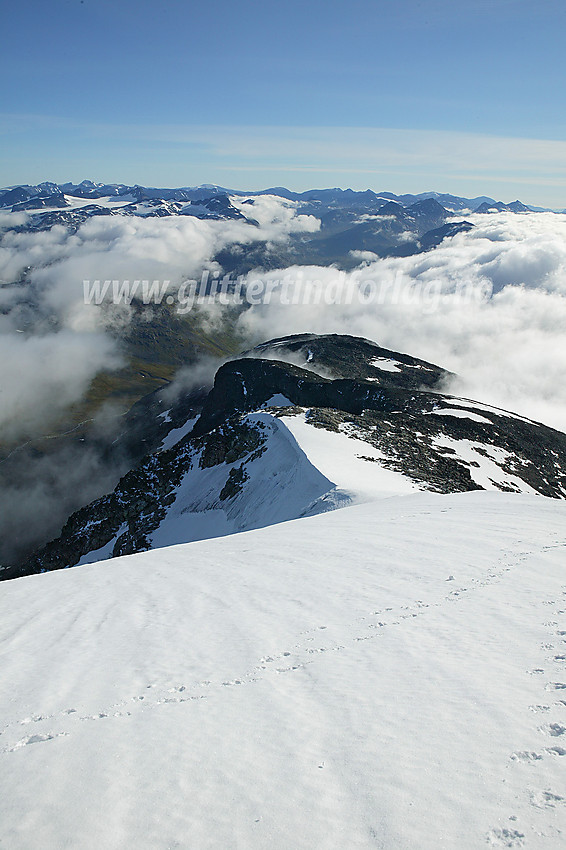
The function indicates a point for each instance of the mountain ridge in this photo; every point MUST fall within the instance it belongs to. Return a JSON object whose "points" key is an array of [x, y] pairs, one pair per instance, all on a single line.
{"points": [[88, 189], [328, 421]]}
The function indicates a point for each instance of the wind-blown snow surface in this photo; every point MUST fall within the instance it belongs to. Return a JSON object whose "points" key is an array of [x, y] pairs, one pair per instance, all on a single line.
{"points": [[389, 675]]}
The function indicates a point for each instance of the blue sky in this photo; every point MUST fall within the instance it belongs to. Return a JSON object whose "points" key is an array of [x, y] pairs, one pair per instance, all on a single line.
{"points": [[463, 96]]}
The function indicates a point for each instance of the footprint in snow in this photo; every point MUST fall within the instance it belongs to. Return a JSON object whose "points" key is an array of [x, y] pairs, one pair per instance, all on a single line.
{"points": [[555, 730], [555, 751], [505, 837], [525, 756], [546, 800], [35, 739]]}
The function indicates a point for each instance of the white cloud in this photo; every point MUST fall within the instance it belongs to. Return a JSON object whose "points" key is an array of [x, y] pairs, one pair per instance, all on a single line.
{"points": [[40, 376], [276, 216], [66, 342]]}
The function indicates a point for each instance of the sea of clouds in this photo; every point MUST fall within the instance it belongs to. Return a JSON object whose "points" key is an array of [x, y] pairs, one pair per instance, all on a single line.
{"points": [[52, 344]]}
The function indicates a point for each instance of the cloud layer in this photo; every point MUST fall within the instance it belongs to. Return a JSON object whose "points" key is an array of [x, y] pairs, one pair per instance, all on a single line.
{"points": [[507, 349], [51, 343]]}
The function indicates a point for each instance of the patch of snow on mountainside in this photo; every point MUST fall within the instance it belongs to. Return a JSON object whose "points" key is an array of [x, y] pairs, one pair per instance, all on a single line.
{"points": [[177, 434], [74, 203], [460, 413], [386, 364], [104, 551], [278, 400], [354, 465], [498, 410], [485, 463], [389, 675]]}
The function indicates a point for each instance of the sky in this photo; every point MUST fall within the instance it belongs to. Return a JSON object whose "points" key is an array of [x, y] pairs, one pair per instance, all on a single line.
{"points": [[465, 97]]}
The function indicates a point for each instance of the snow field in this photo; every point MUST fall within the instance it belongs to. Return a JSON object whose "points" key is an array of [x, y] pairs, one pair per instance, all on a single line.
{"points": [[388, 675]]}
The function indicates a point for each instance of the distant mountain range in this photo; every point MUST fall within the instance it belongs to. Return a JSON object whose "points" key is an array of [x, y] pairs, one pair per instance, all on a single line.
{"points": [[50, 193], [381, 223], [89, 190]]}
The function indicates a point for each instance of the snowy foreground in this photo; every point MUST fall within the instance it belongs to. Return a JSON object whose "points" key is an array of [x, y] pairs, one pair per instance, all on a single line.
{"points": [[390, 675]]}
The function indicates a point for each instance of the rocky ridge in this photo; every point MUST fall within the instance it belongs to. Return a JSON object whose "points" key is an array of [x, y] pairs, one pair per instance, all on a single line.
{"points": [[218, 453]]}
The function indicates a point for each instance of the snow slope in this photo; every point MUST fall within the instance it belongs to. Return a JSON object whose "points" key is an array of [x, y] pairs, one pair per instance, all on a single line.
{"points": [[391, 675], [282, 484]]}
